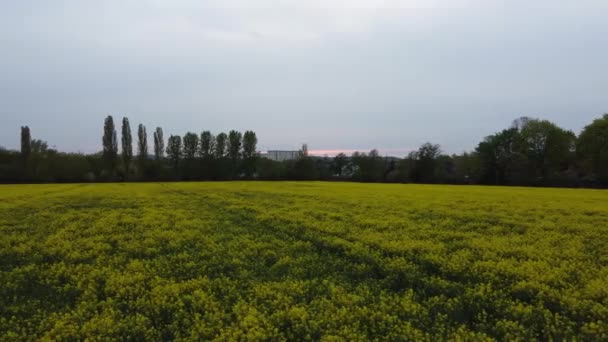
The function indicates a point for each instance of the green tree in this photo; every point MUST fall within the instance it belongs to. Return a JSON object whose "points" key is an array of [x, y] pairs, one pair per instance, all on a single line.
{"points": [[501, 159], [26, 145], [159, 144], [142, 143], [174, 149], [234, 144], [339, 163], [220, 145], [207, 143], [127, 145], [368, 167], [425, 165], [548, 148], [592, 149], [250, 141], [190, 145], [110, 144]]}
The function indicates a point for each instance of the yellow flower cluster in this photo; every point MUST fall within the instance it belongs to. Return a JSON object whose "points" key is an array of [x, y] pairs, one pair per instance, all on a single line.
{"points": [[302, 261]]}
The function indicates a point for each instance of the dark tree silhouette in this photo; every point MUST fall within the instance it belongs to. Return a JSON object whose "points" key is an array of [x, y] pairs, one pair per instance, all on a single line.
{"points": [[234, 144], [142, 143], [220, 145], [547, 147], [190, 145], [110, 144], [207, 144], [339, 163], [530, 152], [425, 166], [174, 149], [592, 149], [159, 144], [250, 141], [26, 144], [127, 145]]}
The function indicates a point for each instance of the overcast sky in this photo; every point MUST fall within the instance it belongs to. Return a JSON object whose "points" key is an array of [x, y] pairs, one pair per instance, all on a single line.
{"points": [[338, 75]]}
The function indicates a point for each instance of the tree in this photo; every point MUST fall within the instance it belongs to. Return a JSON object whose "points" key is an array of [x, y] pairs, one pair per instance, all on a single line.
{"points": [[501, 160], [250, 141], [425, 166], [26, 144], [127, 146], [190, 145], [142, 143], [234, 144], [110, 144], [207, 143], [174, 149], [159, 144], [548, 148], [303, 168], [339, 162], [39, 147], [220, 145], [592, 149], [304, 150], [368, 167]]}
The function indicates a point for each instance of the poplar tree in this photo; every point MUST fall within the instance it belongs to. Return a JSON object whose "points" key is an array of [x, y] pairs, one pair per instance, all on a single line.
{"points": [[250, 141], [127, 144], [26, 143], [174, 149], [207, 144], [234, 144], [220, 145], [159, 144], [110, 144], [190, 145], [142, 142]]}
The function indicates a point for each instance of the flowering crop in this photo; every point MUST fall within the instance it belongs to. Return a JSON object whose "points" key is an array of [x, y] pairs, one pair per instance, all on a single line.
{"points": [[302, 261]]}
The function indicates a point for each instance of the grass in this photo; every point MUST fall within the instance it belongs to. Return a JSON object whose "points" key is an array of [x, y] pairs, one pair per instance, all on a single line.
{"points": [[302, 261]]}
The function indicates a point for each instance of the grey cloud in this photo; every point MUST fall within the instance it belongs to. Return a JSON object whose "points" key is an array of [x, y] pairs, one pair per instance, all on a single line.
{"points": [[353, 75]]}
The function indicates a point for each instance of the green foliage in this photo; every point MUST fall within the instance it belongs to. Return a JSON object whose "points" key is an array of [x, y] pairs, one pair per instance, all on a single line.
{"points": [[207, 145], [26, 143], [127, 144], [592, 148], [190, 145], [532, 151], [142, 143], [250, 141], [159, 144], [367, 167], [234, 144], [547, 147], [302, 261], [110, 144], [174, 149], [220, 145], [339, 163]]}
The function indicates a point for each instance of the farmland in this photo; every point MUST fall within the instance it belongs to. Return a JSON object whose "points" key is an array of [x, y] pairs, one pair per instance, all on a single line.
{"points": [[302, 261]]}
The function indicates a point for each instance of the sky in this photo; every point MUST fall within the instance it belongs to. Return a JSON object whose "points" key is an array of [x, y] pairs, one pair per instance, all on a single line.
{"points": [[338, 75]]}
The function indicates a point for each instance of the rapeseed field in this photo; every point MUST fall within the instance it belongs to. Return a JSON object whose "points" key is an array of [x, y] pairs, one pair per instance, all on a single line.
{"points": [[302, 261]]}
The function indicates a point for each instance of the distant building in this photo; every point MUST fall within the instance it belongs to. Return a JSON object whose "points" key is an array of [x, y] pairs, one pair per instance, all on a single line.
{"points": [[281, 155]]}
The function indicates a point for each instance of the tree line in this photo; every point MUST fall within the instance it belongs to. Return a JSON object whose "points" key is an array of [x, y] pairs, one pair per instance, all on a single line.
{"points": [[531, 152]]}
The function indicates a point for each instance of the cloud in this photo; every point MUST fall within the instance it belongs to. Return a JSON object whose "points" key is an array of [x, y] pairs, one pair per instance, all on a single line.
{"points": [[349, 74]]}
